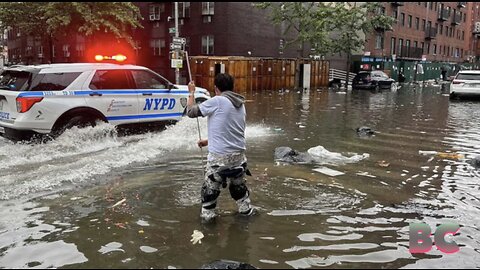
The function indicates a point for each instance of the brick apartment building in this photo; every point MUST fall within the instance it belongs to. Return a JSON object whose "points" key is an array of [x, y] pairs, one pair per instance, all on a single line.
{"points": [[210, 28], [434, 31]]}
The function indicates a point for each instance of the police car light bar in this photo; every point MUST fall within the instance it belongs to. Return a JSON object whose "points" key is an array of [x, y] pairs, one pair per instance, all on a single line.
{"points": [[118, 57]]}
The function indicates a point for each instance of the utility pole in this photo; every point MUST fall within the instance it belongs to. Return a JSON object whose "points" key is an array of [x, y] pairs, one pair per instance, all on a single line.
{"points": [[177, 70]]}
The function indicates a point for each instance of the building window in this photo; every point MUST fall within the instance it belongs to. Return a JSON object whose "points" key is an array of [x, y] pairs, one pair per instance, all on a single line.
{"points": [[409, 21], [392, 45], [402, 19], [441, 29], [428, 49], [29, 51], [183, 10], [424, 22], [40, 51], [66, 50], [157, 45], [379, 41], [415, 44], [417, 23], [207, 19], [54, 52], [434, 49], [80, 48], [463, 35], [395, 15], [446, 31], [400, 45], [154, 11], [208, 8], [207, 45]]}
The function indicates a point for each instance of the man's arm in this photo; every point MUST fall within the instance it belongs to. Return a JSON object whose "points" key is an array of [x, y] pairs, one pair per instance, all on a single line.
{"points": [[192, 109]]}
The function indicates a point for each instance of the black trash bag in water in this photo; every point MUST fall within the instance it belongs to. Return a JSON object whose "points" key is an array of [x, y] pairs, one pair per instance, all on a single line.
{"points": [[287, 154]]}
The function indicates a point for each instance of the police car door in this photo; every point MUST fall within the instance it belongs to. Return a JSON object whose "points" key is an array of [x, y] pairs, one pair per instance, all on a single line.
{"points": [[111, 92], [157, 102]]}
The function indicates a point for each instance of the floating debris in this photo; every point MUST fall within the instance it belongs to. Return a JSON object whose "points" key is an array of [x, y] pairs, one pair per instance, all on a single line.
{"points": [[383, 163], [366, 174], [118, 203], [450, 155], [197, 237], [148, 249], [328, 171], [110, 247]]}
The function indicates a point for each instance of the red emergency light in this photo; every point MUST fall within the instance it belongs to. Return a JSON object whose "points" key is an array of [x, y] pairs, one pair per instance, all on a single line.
{"points": [[119, 53], [118, 57]]}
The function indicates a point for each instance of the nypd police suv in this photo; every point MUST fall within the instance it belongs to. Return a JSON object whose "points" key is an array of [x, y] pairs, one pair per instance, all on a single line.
{"points": [[48, 99]]}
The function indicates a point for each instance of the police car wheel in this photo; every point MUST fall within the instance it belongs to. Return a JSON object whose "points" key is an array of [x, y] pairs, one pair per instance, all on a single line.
{"points": [[76, 121]]}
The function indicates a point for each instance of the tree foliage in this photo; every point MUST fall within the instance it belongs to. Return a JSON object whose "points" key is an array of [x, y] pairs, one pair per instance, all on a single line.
{"points": [[54, 18], [332, 27]]}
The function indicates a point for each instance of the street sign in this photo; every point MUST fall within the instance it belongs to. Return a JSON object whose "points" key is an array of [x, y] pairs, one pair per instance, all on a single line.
{"points": [[174, 46], [177, 63], [172, 30], [179, 40]]}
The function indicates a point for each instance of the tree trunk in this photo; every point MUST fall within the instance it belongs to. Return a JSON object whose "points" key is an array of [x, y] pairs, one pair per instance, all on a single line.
{"points": [[50, 45], [348, 69]]}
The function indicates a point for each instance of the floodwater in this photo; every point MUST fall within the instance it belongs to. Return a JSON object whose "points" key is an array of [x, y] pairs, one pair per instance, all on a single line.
{"points": [[93, 199]]}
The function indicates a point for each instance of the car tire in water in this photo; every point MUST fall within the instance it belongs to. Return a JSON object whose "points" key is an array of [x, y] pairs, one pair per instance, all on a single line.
{"points": [[76, 121], [453, 96]]}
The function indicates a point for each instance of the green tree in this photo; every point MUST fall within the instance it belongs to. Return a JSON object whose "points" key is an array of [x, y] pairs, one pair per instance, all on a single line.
{"points": [[51, 19], [353, 21], [333, 27]]}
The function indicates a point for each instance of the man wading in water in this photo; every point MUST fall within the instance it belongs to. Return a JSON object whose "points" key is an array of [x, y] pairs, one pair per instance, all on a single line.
{"points": [[226, 158]]}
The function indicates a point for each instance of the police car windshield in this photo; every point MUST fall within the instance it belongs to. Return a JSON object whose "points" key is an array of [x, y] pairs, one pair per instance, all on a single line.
{"points": [[14, 80]]}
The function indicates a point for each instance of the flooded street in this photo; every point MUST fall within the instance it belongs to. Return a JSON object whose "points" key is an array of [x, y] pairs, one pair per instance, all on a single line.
{"points": [[61, 202]]}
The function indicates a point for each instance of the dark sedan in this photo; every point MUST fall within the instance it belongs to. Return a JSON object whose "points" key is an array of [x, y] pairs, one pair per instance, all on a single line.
{"points": [[372, 80]]}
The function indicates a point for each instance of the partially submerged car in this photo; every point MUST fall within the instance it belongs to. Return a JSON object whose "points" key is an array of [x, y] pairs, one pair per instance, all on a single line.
{"points": [[375, 80], [465, 84]]}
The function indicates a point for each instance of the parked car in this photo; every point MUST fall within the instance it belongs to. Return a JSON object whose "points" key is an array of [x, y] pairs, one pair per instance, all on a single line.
{"points": [[48, 99], [465, 83], [375, 79]]}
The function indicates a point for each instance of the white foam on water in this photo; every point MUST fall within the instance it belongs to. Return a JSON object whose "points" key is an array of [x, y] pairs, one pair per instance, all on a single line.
{"points": [[79, 155]]}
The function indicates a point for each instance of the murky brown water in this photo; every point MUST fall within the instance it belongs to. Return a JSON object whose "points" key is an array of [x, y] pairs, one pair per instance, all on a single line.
{"points": [[56, 199]]}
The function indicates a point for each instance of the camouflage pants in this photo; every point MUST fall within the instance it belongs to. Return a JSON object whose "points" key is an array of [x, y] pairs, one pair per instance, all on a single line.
{"points": [[220, 170]]}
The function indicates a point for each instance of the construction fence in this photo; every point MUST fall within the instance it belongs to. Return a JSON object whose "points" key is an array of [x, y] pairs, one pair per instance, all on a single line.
{"points": [[431, 70], [253, 73]]}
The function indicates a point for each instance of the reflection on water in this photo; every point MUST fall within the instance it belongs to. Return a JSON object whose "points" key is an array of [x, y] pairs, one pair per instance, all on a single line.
{"points": [[133, 202]]}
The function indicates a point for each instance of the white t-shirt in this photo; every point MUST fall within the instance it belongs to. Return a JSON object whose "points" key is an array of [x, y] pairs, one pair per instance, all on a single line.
{"points": [[226, 125]]}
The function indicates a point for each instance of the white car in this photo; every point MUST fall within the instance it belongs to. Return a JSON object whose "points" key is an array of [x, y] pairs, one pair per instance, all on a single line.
{"points": [[48, 99], [465, 83]]}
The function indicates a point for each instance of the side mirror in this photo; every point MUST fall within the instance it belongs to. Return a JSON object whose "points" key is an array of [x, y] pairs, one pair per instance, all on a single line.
{"points": [[170, 86]]}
